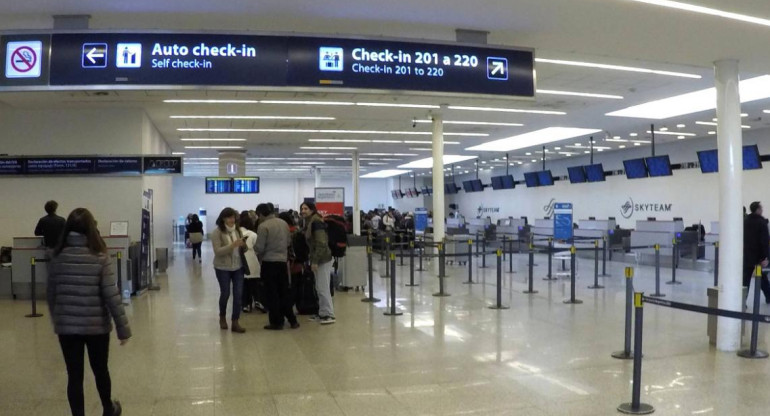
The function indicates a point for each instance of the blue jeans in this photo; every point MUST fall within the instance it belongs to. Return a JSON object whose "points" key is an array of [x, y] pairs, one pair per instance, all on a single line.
{"points": [[225, 277]]}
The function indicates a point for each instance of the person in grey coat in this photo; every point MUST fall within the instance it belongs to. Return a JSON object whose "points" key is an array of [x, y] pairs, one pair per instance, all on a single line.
{"points": [[83, 299]]}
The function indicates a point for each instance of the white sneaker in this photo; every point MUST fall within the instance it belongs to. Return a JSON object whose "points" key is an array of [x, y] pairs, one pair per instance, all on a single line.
{"points": [[314, 318], [326, 320]]}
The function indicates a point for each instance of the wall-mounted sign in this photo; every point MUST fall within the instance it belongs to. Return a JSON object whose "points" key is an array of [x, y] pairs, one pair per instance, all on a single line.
{"points": [[562, 221], [330, 201], [161, 165], [173, 59], [629, 208], [91, 165]]}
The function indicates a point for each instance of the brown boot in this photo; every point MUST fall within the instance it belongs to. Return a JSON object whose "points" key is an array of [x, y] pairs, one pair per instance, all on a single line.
{"points": [[237, 327], [222, 322]]}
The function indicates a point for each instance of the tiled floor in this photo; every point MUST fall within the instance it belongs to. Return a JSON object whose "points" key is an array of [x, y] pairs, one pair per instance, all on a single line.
{"points": [[444, 356]]}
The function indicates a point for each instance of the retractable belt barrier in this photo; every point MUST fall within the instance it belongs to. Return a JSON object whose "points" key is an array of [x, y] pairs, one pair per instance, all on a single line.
{"points": [[499, 304], [33, 288], [370, 298], [392, 311]]}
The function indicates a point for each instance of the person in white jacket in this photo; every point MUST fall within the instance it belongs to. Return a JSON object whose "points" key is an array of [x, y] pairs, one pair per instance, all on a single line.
{"points": [[251, 283]]}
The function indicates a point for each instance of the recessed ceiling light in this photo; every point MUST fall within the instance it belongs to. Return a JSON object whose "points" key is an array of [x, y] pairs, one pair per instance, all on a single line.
{"points": [[177, 153], [203, 139], [680, 137], [750, 90], [616, 67], [680, 126], [707, 10], [254, 117], [473, 123], [534, 138], [633, 134], [663, 129], [622, 146], [557, 148], [637, 144], [712, 133], [580, 94], [528, 154], [427, 163], [504, 110]]}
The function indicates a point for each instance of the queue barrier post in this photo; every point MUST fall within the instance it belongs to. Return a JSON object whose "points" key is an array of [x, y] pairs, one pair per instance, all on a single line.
{"points": [[387, 252], [604, 256], [401, 248], [572, 300], [499, 304], [636, 407], [33, 291], [716, 264], [392, 311], [596, 284], [550, 260], [483, 252], [421, 250], [370, 298], [626, 353], [674, 262], [657, 293], [504, 248], [531, 267], [411, 266], [510, 256], [753, 352], [441, 276], [470, 263]]}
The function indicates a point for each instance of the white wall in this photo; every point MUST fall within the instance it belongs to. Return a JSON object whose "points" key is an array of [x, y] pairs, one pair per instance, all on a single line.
{"points": [[693, 196], [153, 143]]}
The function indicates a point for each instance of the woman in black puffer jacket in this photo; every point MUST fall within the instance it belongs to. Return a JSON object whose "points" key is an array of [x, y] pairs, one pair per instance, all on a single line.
{"points": [[82, 297]]}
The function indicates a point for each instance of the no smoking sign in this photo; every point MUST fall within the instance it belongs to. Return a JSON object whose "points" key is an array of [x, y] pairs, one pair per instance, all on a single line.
{"points": [[23, 59]]}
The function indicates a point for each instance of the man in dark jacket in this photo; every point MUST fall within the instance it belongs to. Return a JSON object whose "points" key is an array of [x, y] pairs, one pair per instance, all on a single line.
{"points": [[756, 243], [50, 226]]}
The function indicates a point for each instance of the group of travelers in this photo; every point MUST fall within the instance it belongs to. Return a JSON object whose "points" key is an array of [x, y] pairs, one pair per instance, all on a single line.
{"points": [[386, 220], [255, 253]]}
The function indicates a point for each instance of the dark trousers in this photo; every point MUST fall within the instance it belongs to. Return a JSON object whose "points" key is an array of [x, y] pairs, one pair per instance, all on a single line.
{"points": [[253, 291], [277, 295], [196, 248], [748, 274], [73, 346], [225, 279]]}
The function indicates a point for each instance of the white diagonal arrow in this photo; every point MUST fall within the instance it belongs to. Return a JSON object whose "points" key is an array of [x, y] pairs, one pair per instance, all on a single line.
{"points": [[94, 53], [498, 66]]}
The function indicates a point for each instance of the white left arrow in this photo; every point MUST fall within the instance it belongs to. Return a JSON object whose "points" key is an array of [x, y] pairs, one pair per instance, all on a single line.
{"points": [[498, 67], [95, 53]]}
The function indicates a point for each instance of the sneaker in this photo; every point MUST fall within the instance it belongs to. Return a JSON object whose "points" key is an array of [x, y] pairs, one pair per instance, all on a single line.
{"points": [[258, 306], [326, 320], [314, 318]]}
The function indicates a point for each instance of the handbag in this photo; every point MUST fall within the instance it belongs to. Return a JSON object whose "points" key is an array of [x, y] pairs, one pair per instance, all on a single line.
{"points": [[244, 263], [196, 238]]}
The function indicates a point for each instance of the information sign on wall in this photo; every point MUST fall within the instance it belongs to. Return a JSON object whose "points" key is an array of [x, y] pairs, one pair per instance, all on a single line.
{"points": [[330, 201], [420, 219], [562, 221]]}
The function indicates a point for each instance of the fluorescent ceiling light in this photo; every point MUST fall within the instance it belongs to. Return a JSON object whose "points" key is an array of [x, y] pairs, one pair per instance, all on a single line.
{"points": [[616, 67], [177, 153], [254, 117], [427, 163], [615, 140], [426, 142], [673, 133], [534, 138], [583, 147], [750, 90], [580, 94], [421, 149], [341, 140], [473, 123], [212, 140], [377, 164], [504, 110], [211, 101], [387, 173], [429, 106], [708, 11], [710, 123], [375, 141], [334, 131], [327, 148], [388, 154], [290, 102], [641, 141], [213, 147]]}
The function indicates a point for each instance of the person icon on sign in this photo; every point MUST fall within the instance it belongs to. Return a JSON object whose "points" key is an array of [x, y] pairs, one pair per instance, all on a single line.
{"points": [[126, 55]]}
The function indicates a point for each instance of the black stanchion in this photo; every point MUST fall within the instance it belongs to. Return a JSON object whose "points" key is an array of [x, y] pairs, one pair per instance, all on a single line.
{"points": [[499, 304], [626, 353], [596, 284], [441, 275], [470, 263], [716, 263], [636, 407], [371, 298], [510, 257], [531, 267], [411, 265], [572, 299], [657, 293], [604, 256], [550, 261], [504, 248], [33, 290], [420, 253], [401, 248], [442, 258], [483, 253], [387, 252], [393, 311], [477, 244], [753, 352], [674, 263]]}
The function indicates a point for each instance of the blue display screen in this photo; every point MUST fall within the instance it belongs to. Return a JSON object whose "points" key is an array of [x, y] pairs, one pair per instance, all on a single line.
{"points": [[451, 188], [473, 185], [658, 165], [246, 185], [531, 179], [751, 159], [545, 178], [576, 174], [635, 168], [427, 191], [595, 173], [709, 161], [503, 182], [219, 186]]}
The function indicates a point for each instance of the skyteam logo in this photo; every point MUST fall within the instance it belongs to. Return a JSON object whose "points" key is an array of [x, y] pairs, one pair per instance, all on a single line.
{"points": [[330, 59]]}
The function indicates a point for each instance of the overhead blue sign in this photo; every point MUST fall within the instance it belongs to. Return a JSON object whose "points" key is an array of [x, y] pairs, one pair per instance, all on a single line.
{"points": [[562, 221]]}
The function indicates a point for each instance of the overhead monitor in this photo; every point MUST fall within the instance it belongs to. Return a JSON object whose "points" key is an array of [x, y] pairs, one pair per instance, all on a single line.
{"points": [[503, 182], [246, 185], [426, 190], [635, 168], [545, 178], [751, 158], [473, 185], [658, 165], [595, 173], [451, 188], [219, 185], [531, 179], [709, 161], [576, 174]]}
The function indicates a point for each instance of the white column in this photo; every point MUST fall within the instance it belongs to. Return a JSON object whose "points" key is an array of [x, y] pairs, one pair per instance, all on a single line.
{"points": [[439, 229], [317, 174], [356, 196], [730, 142]]}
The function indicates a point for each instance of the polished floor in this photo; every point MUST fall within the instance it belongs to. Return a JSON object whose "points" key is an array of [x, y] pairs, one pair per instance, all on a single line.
{"points": [[443, 356]]}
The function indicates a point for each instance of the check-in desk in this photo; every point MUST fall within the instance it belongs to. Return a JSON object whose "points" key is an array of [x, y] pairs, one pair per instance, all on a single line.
{"points": [[648, 233]]}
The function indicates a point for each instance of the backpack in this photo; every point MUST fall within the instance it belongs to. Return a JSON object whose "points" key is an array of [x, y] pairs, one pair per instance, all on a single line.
{"points": [[338, 236], [300, 247]]}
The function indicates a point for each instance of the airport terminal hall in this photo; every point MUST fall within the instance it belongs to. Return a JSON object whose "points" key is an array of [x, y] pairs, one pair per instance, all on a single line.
{"points": [[263, 207]]}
